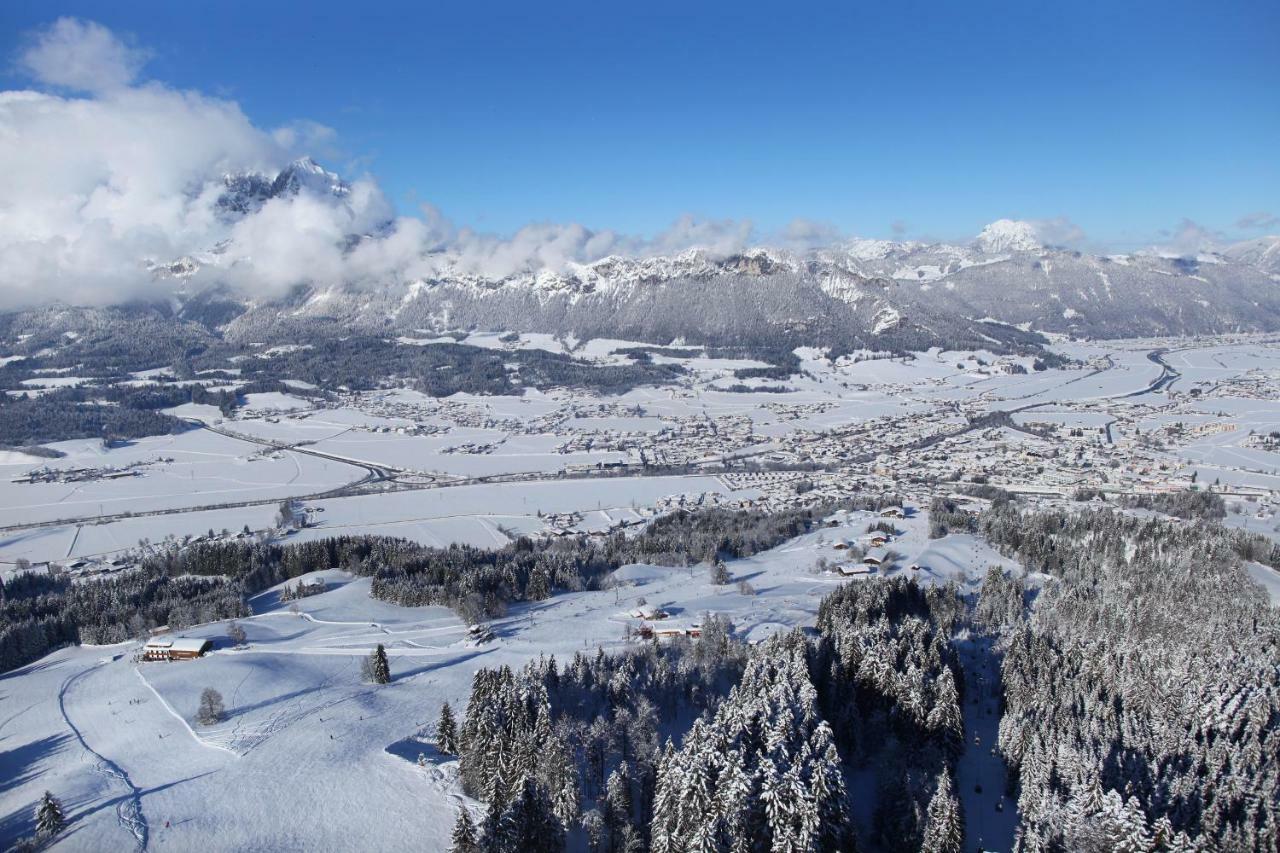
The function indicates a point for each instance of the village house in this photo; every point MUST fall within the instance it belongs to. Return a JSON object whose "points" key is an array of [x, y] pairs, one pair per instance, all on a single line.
{"points": [[876, 557]]}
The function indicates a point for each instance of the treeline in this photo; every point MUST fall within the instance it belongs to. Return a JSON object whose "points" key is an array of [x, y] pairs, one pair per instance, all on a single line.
{"points": [[365, 362], [65, 415], [770, 735], [39, 613], [116, 411], [480, 583], [207, 581], [1142, 694], [946, 516], [178, 586], [99, 342], [101, 411], [1188, 503]]}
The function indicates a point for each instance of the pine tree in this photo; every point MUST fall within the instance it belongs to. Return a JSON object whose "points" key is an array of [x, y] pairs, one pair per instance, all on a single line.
{"points": [[49, 817], [944, 827], [464, 834], [447, 731], [380, 668]]}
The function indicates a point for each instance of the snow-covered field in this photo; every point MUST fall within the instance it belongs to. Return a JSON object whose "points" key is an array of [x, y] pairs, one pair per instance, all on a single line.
{"points": [[193, 468], [305, 739]]}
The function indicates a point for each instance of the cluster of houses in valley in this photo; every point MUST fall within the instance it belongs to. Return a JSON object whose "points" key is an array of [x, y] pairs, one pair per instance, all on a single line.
{"points": [[797, 411], [654, 625], [869, 553], [80, 475], [559, 524], [681, 440], [474, 448], [82, 567]]}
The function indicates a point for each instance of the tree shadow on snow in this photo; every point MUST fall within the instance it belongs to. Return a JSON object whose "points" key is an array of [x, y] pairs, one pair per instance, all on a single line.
{"points": [[20, 764], [32, 668], [438, 664]]}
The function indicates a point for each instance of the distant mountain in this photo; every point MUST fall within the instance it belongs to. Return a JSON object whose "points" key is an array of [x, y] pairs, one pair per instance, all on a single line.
{"points": [[246, 192], [998, 291], [1263, 253], [1008, 235]]}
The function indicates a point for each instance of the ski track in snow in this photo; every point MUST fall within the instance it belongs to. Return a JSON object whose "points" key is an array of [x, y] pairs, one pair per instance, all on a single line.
{"points": [[165, 704], [129, 806], [991, 817]]}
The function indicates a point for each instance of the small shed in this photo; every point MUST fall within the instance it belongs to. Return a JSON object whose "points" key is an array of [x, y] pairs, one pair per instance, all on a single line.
{"points": [[175, 648]]}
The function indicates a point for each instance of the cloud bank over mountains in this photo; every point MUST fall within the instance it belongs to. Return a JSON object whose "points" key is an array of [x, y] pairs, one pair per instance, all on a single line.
{"points": [[107, 173]]}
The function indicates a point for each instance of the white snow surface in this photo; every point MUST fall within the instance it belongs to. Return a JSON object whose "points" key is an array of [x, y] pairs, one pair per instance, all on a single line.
{"points": [[311, 758]]}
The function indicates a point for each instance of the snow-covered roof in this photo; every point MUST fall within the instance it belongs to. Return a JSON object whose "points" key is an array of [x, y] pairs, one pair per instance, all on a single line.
{"points": [[194, 645]]}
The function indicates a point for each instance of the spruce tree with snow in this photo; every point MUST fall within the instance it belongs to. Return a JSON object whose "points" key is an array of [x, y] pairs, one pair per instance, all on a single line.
{"points": [[464, 834], [564, 783], [527, 825], [593, 826], [447, 731], [944, 827], [49, 816], [945, 718], [379, 667], [211, 711], [617, 801]]}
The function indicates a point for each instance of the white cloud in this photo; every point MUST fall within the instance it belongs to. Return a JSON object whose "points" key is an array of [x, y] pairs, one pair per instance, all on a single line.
{"points": [[97, 186], [81, 55], [1258, 220], [718, 237], [93, 186], [1059, 231], [1191, 238], [802, 234]]}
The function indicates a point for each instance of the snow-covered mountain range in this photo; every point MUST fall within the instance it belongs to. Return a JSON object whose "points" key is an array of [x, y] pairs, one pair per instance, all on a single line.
{"points": [[997, 290]]}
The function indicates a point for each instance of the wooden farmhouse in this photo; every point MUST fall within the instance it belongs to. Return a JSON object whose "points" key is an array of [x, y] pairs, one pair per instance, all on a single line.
{"points": [[175, 648]]}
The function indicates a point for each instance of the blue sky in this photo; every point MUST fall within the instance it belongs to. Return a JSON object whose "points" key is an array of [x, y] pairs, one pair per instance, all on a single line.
{"points": [[1125, 118]]}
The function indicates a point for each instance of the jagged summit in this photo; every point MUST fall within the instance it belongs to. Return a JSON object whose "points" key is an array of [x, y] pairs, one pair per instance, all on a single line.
{"points": [[306, 174], [245, 193]]}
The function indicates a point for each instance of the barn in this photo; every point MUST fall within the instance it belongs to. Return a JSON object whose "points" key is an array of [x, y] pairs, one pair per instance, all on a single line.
{"points": [[175, 648]]}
